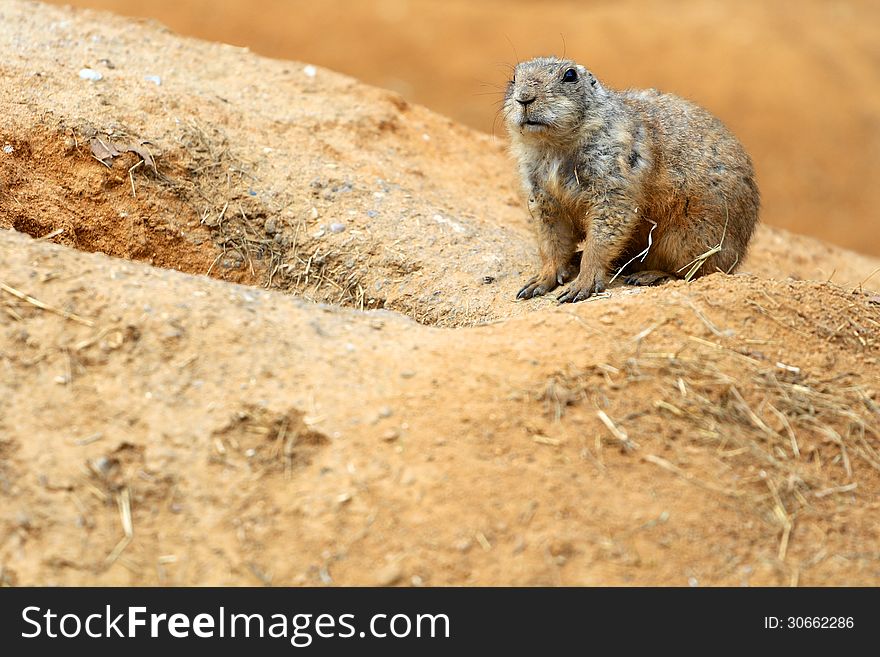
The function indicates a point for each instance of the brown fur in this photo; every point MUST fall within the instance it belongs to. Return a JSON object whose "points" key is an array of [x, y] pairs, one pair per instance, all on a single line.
{"points": [[601, 167]]}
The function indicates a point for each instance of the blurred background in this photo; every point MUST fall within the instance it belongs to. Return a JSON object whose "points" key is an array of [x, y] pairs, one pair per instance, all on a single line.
{"points": [[798, 81]]}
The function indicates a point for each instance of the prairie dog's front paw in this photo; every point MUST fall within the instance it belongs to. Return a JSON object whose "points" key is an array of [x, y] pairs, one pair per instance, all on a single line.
{"points": [[582, 288], [540, 285], [537, 287]]}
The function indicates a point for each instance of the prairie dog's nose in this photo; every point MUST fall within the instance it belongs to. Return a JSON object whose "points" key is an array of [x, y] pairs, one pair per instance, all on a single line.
{"points": [[522, 100]]}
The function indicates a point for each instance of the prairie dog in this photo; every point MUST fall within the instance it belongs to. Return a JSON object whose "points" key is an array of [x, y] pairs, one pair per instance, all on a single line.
{"points": [[617, 171]]}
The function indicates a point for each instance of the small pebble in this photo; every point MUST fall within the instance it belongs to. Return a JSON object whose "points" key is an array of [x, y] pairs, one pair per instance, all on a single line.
{"points": [[155, 79], [337, 227], [90, 74], [391, 435], [270, 227], [310, 71], [8, 149], [102, 465], [390, 574]]}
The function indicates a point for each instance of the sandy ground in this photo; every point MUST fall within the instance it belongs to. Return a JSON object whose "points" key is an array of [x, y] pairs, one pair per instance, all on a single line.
{"points": [[352, 396], [797, 80]]}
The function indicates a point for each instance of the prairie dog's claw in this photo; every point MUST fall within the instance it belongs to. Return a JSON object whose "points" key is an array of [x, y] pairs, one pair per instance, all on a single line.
{"points": [[578, 291]]}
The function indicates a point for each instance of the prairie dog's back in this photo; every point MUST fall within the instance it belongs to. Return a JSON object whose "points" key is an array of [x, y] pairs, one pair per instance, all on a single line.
{"points": [[699, 163], [687, 140]]}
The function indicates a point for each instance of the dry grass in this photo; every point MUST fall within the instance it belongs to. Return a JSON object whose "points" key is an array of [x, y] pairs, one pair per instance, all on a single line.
{"points": [[784, 441], [782, 418], [18, 294], [216, 183], [697, 263], [270, 442]]}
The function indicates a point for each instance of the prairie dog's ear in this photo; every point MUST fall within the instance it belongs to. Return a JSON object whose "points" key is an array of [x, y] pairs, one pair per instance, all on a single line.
{"points": [[595, 86]]}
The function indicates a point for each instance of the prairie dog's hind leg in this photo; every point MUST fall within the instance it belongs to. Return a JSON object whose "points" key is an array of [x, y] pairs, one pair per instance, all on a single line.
{"points": [[648, 277], [644, 260], [708, 243]]}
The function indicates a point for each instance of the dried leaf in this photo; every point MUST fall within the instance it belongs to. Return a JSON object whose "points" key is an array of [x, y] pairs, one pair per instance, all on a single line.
{"points": [[103, 150], [142, 152]]}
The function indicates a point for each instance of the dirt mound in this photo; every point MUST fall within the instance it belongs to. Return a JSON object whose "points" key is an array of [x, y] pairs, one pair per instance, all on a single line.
{"points": [[163, 428]]}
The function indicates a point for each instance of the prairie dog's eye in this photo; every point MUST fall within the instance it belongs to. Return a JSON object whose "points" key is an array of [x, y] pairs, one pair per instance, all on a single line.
{"points": [[571, 75]]}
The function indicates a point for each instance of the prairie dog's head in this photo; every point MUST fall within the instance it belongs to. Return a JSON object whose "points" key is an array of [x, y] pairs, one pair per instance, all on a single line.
{"points": [[550, 99]]}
